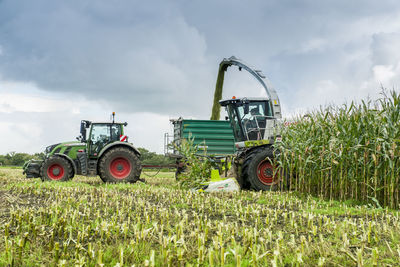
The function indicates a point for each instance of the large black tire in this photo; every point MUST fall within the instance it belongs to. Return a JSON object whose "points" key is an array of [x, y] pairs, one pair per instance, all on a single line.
{"points": [[120, 165], [56, 168], [241, 176], [258, 170]]}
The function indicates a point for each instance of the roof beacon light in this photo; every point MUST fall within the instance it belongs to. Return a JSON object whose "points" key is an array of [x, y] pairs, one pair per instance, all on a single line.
{"points": [[233, 97]]}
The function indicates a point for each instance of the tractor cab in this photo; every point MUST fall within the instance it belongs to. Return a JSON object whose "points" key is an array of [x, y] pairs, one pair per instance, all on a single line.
{"points": [[99, 134], [251, 118]]}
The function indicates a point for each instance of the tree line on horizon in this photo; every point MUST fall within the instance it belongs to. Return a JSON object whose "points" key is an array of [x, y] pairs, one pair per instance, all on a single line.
{"points": [[18, 159]]}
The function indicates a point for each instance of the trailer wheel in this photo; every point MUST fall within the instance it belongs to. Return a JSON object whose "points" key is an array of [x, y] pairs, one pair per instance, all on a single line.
{"points": [[259, 170], [56, 168], [118, 165]]}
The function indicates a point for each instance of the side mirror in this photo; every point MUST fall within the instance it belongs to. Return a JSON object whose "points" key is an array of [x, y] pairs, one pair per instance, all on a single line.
{"points": [[83, 131], [226, 118], [246, 108], [81, 139]]}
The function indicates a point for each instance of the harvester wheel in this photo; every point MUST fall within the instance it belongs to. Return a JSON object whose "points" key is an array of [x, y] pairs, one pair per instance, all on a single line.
{"points": [[56, 168], [118, 165], [259, 170]]}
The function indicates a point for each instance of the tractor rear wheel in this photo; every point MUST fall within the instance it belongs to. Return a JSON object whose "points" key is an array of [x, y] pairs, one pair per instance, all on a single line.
{"points": [[259, 170], [56, 168], [118, 165]]}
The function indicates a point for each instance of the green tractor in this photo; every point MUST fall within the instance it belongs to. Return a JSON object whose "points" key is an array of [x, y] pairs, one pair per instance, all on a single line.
{"points": [[102, 149], [255, 124]]}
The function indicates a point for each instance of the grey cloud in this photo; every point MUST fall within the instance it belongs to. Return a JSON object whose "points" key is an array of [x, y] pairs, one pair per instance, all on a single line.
{"points": [[385, 48], [142, 57], [34, 131], [162, 56]]}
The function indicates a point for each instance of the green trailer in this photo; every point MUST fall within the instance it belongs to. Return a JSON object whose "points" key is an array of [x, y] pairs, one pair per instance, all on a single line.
{"points": [[212, 138]]}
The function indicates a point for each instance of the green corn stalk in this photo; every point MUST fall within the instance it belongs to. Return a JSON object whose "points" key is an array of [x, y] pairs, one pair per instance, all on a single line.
{"points": [[346, 152]]}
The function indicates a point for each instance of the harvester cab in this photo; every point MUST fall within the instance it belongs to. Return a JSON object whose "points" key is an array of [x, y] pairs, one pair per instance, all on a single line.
{"points": [[251, 119], [102, 149]]}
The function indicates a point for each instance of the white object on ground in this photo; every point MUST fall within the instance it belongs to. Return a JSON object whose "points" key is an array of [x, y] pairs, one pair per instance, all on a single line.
{"points": [[227, 185]]}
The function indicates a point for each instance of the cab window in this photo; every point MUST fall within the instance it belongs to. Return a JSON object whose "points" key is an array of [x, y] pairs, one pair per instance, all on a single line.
{"points": [[115, 132], [102, 134]]}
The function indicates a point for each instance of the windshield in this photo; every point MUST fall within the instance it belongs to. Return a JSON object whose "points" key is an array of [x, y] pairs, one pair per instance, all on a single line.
{"points": [[256, 109], [102, 134], [249, 125], [254, 122]]}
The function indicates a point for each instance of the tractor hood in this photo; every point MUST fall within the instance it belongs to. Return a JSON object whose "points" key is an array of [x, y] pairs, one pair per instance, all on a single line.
{"points": [[67, 148]]}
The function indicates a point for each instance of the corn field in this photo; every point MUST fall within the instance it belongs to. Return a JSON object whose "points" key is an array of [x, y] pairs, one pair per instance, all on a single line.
{"points": [[347, 152]]}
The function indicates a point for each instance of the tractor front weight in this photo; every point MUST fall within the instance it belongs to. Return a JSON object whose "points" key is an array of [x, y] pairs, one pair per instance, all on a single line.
{"points": [[32, 168]]}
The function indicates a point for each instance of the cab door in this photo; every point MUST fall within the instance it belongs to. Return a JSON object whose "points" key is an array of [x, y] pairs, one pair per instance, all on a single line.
{"points": [[101, 135]]}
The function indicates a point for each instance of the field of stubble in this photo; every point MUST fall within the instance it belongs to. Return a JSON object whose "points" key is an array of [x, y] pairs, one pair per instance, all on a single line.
{"points": [[87, 223]]}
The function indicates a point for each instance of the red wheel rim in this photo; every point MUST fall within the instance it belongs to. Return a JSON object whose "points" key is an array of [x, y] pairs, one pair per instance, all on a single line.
{"points": [[55, 172], [265, 172], [120, 168]]}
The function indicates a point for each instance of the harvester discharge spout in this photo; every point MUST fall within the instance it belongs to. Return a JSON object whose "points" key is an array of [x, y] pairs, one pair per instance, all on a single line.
{"points": [[223, 66]]}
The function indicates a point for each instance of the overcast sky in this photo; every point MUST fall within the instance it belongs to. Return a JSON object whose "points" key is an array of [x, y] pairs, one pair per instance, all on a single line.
{"points": [[150, 61]]}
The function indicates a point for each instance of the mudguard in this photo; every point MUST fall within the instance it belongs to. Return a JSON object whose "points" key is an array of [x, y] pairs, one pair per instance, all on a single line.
{"points": [[118, 143], [69, 160]]}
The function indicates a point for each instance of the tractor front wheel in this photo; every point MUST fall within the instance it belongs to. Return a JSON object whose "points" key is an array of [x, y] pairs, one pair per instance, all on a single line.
{"points": [[259, 170], [118, 165], [56, 168]]}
